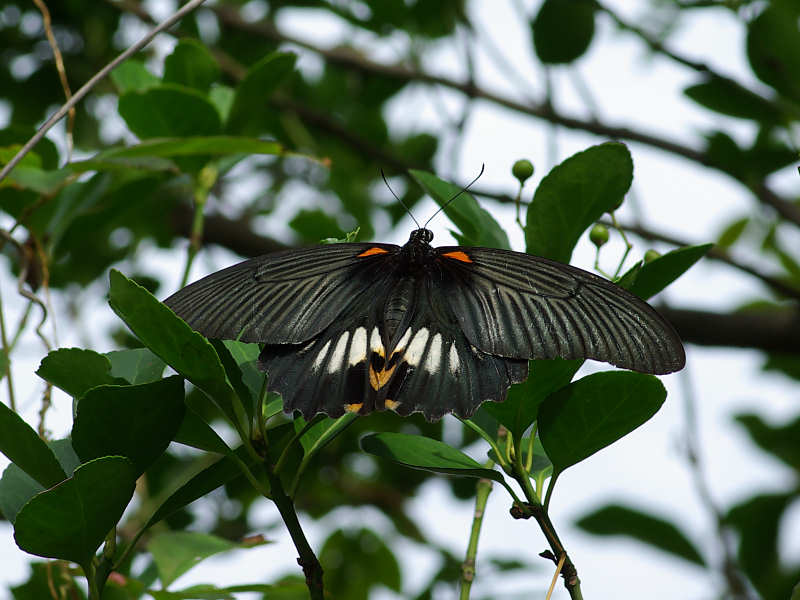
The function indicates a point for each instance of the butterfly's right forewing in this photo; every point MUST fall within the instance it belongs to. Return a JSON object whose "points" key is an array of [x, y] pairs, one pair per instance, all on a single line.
{"points": [[281, 298]]}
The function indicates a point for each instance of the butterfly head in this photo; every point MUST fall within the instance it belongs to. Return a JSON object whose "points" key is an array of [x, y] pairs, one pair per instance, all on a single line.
{"points": [[421, 236]]}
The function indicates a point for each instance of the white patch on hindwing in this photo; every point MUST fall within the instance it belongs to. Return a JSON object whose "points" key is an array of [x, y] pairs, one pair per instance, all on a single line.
{"points": [[455, 362], [358, 347], [321, 356], [337, 357], [416, 348], [404, 340], [375, 342], [433, 361]]}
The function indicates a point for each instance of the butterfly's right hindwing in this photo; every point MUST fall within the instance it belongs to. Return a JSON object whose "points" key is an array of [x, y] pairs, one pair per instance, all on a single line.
{"points": [[281, 298]]}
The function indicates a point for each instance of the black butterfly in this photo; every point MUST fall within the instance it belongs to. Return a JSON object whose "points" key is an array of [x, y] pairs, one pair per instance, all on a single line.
{"points": [[358, 327]]}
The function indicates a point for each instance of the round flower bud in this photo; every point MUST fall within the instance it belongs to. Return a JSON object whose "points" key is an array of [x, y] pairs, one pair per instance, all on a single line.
{"points": [[522, 169], [599, 235]]}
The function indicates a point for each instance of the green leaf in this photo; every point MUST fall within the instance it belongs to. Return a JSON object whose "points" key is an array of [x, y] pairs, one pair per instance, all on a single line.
{"points": [[235, 378], [246, 356], [563, 30], [253, 91], [195, 432], [22, 445], [135, 421], [657, 274], [71, 520], [136, 365], [655, 531], [757, 521], [315, 225], [521, 406], [594, 412], [356, 561], [133, 76], [186, 351], [176, 552], [192, 65], [36, 179], [320, 434], [773, 46], [169, 110], [40, 584], [76, 371], [729, 98], [731, 234], [574, 195], [291, 590], [191, 145], [477, 226], [222, 96], [424, 453], [16, 488], [780, 441], [201, 483]]}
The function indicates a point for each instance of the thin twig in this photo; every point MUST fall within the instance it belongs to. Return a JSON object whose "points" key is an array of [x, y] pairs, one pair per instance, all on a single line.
{"points": [[99, 76], [731, 571], [62, 72], [559, 566]]}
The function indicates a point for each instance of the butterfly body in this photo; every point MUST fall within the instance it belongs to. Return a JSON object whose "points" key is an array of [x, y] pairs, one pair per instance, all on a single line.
{"points": [[360, 327]]}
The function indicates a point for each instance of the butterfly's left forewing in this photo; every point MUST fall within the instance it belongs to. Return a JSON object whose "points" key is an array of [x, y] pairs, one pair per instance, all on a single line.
{"points": [[523, 306]]}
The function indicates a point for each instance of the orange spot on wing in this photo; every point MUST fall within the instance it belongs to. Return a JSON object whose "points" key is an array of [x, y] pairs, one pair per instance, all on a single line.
{"points": [[372, 252], [391, 404], [458, 255], [378, 379], [353, 408]]}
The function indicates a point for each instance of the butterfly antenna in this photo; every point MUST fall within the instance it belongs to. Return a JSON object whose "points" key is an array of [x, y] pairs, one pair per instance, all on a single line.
{"points": [[461, 191], [403, 204]]}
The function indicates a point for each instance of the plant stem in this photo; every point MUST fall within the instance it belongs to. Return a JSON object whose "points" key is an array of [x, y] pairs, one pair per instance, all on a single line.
{"points": [[205, 181], [535, 509], [89, 569], [307, 559], [484, 488], [12, 404]]}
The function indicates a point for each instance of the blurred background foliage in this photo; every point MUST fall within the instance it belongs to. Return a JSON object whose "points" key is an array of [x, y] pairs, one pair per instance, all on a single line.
{"points": [[72, 213]]}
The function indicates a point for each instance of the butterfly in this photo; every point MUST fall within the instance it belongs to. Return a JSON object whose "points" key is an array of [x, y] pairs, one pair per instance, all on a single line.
{"points": [[360, 327]]}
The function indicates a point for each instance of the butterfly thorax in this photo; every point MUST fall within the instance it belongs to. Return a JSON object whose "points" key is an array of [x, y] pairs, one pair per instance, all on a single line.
{"points": [[418, 252], [416, 257]]}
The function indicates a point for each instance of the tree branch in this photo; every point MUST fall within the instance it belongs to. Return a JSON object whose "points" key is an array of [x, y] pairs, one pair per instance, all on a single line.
{"points": [[777, 284], [352, 60], [770, 331]]}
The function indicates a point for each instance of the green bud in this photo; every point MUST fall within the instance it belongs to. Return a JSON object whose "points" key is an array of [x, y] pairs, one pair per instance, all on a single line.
{"points": [[522, 169], [651, 255], [599, 235]]}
